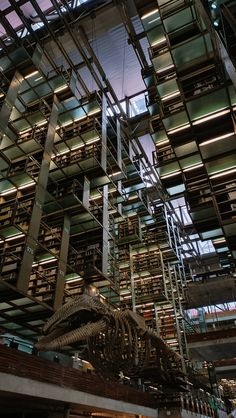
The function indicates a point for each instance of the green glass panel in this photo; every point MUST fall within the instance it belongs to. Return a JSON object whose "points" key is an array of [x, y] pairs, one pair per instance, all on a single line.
{"points": [[203, 106], [230, 230], [159, 136], [232, 95], [190, 52], [175, 121], [203, 214], [21, 179], [221, 164], [169, 168], [186, 149], [191, 161], [162, 61], [212, 233], [168, 87], [151, 21], [156, 34], [219, 147], [179, 19], [176, 189]]}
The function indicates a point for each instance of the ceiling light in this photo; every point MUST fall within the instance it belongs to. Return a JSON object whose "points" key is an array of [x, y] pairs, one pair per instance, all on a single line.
{"points": [[223, 173], [24, 186], [166, 141], [150, 14], [8, 191], [25, 130], [1, 95], [93, 112], [77, 146], [65, 86], [16, 236], [211, 116], [192, 167], [75, 280], [161, 41], [154, 20], [115, 173], [169, 96], [180, 128], [168, 67], [31, 74], [219, 241], [91, 141], [218, 138], [43, 122], [49, 260], [170, 175]]}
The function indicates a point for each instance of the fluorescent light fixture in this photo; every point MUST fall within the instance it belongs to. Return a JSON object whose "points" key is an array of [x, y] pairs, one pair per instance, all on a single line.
{"points": [[62, 153], [170, 175], [1, 95], [61, 88], [125, 292], [211, 116], [93, 112], [218, 138], [223, 173], [16, 236], [180, 128], [165, 141], [167, 67], [8, 191], [49, 260], [70, 122], [95, 197], [75, 280], [219, 241], [149, 14], [192, 167], [25, 130], [169, 96], [92, 140], [154, 20], [31, 74], [161, 41], [24, 186], [77, 146], [39, 78], [43, 122], [115, 173]]}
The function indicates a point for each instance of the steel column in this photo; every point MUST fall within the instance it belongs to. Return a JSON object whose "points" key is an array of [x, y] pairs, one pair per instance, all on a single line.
{"points": [[34, 225], [60, 283], [9, 101]]}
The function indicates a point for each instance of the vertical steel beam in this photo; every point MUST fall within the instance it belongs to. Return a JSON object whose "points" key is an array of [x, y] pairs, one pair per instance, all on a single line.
{"points": [[86, 192], [105, 230], [34, 225], [59, 293], [104, 134], [9, 101], [118, 133]]}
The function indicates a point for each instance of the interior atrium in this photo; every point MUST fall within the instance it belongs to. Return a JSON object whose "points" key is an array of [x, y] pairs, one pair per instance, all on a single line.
{"points": [[118, 181]]}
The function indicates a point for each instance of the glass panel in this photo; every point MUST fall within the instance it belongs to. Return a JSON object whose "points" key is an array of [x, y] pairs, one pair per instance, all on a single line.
{"points": [[168, 88], [188, 53], [179, 20], [201, 106], [175, 121]]}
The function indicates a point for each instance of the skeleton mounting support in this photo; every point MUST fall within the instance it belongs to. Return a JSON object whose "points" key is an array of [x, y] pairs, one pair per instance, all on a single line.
{"points": [[113, 341]]}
